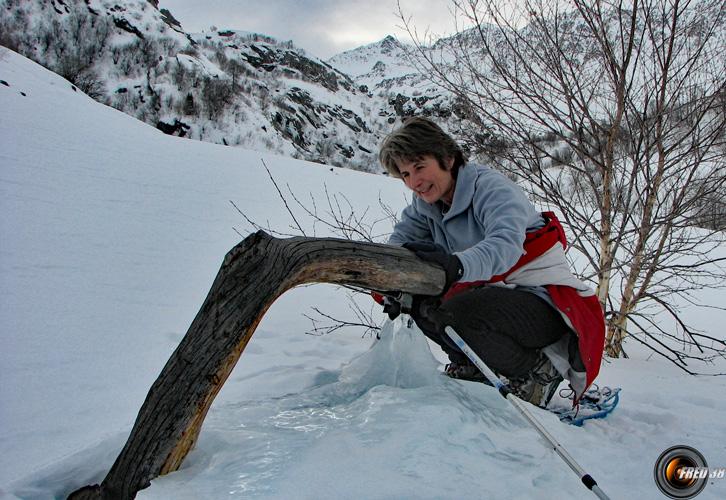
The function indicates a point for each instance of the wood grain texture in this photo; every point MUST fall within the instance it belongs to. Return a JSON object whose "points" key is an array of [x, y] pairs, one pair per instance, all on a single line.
{"points": [[253, 275]]}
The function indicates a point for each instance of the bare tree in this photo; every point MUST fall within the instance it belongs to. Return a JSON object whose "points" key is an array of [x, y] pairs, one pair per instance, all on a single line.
{"points": [[253, 275], [612, 113], [336, 216]]}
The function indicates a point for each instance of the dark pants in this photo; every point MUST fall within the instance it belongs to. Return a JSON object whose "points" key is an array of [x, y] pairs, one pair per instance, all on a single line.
{"points": [[506, 327]]}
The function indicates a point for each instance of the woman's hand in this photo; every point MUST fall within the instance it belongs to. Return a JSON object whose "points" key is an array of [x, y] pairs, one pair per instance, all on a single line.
{"points": [[431, 252], [391, 307]]}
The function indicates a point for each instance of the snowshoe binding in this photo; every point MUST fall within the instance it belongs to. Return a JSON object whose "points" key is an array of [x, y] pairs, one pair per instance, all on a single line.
{"points": [[596, 403]]}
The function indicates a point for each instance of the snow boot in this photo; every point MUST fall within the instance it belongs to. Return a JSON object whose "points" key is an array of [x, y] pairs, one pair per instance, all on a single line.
{"points": [[540, 385], [465, 371]]}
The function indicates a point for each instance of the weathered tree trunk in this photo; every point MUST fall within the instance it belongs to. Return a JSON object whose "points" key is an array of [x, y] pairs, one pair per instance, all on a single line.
{"points": [[253, 275]]}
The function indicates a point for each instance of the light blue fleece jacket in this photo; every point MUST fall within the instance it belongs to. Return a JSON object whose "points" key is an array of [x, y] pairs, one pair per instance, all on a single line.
{"points": [[485, 226]]}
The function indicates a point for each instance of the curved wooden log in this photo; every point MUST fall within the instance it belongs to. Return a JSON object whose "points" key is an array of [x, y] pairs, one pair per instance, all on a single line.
{"points": [[254, 274]]}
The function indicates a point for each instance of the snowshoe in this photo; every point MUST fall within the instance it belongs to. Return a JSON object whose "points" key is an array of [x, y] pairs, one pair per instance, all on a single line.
{"points": [[594, 404]]}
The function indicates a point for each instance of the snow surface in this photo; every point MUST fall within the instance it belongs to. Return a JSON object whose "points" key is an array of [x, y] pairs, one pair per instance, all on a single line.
{"points": [[110, 236]]}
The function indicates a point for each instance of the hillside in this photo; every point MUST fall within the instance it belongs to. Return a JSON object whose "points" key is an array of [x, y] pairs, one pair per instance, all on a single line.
{"points": [[233, 88], [228, 87]]}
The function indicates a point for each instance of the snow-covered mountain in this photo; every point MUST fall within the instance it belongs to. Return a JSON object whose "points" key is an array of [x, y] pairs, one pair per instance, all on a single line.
{"points": [[223, 86], [385, 70], [251, 90], [375, 62], [111, 234], [235, 88]]}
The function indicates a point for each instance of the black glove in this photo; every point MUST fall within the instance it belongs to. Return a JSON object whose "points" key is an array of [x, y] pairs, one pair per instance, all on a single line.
{"points": [[422, 308], [431, 252], [430, 316], [391, 307]]}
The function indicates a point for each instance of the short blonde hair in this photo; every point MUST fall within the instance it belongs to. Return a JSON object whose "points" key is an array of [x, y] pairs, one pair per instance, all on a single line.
{"points": [[416, 137]]}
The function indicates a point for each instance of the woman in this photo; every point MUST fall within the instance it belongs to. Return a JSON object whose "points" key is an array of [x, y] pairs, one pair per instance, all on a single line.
{"points": [[509, 291]]}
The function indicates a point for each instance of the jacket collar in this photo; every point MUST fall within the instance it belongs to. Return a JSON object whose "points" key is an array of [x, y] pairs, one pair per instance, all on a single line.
{"points": [[463, 195]]}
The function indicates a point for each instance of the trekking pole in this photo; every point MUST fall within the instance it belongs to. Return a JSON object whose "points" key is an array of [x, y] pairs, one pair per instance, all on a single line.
{"points": [[504, 390]]}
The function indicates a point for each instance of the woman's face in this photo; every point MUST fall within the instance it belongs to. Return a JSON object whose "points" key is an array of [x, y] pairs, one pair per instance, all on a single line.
{"points": [[425, 177]]}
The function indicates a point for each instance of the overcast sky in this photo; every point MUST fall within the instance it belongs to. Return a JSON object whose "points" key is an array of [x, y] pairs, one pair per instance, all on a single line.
{"points": [[322, 27]]}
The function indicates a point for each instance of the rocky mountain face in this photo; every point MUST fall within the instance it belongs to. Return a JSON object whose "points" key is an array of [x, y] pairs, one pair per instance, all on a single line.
{"points": [[229, 87]]}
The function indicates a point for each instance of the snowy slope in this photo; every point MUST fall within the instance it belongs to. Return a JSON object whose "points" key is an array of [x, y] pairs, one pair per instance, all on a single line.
{"points": [[111, 234], [100, 213]]}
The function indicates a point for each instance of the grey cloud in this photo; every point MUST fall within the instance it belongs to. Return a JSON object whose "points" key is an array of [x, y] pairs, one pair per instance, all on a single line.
{"points": [[321, 27]]}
